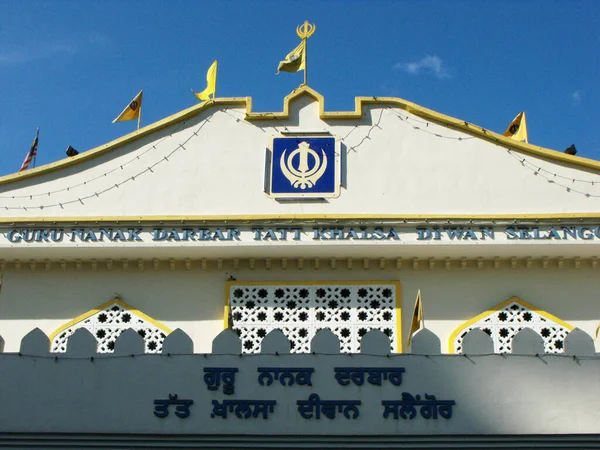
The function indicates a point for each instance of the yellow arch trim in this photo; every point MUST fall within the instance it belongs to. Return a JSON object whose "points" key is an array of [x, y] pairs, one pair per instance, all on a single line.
{"points": [[498, 307], [398, 299], [103, 306], [360, 102], [324, 218]]}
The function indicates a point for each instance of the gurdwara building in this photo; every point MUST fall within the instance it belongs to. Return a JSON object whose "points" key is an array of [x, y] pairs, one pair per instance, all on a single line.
{"points": [[229, 278]]}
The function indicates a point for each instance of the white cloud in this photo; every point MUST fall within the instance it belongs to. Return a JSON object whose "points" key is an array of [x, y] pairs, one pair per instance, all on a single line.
{"points": [[576, 98], [432, 64], [44, 50]]}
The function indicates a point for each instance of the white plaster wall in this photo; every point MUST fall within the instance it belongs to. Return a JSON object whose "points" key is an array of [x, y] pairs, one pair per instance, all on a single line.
{"points": [[193, 300], [398, 170]]}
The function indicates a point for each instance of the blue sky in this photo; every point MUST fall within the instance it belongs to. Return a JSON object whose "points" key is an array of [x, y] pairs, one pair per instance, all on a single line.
{"points": [[70, 67]]}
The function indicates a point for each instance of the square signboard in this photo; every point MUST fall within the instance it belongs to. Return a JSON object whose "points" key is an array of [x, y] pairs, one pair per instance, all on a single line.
{"points": [[304, 166]]}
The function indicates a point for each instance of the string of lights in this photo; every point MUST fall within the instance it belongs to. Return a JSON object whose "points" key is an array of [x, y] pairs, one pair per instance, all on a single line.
{"points": [[413, 120], [551, 177], [103, 175], [537, 168], [109, 356], [98, 193]]}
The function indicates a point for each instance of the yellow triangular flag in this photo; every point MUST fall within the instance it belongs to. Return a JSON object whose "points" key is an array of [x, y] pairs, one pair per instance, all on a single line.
{"points": [[131, 111], [597, 331], [294, 60], [418, 321], [518, 128], [211, 84]]}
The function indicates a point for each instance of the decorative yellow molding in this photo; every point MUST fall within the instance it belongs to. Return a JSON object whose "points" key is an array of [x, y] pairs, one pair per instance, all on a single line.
{"points": [[325, 218], [103, 306], [498, 307], [398, 299], [360, 102]]}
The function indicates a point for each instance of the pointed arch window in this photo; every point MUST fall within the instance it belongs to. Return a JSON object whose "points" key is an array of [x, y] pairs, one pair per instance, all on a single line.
{"points": [[506, 319], [107, 322]]}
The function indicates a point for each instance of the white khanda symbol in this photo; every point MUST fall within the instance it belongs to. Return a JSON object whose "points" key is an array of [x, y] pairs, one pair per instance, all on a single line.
{"points": [[303, 176]]}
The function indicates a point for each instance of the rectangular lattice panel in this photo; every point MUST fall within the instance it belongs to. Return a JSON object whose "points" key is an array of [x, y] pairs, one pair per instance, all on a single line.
{"points": [[300, 310]]}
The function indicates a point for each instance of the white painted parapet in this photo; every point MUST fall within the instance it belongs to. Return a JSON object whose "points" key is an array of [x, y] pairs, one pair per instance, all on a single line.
{"points": [[275, 394]]}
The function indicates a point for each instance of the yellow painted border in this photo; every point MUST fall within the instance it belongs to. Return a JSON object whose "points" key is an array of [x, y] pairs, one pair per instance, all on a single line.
{"points": [[360, 102], [103, 306], [498, 307], [250, 218], [398, 300]]}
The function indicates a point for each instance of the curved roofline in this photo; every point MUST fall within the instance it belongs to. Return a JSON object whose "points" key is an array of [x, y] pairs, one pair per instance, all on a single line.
{"points": [[250, 115]]}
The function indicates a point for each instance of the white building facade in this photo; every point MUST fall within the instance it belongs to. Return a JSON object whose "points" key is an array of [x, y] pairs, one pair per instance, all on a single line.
{"points": [[300, 221]]}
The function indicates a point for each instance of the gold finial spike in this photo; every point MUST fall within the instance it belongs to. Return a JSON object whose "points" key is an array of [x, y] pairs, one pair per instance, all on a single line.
{"points": [[305, 30]]}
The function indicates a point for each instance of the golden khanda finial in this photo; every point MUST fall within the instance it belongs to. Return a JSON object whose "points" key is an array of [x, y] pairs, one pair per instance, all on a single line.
{"points": [[305, 30]]}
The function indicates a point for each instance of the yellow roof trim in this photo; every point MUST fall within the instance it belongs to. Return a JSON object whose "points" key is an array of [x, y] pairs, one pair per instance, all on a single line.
{"points": [[250, 115], [558, 217], [103, 306]]}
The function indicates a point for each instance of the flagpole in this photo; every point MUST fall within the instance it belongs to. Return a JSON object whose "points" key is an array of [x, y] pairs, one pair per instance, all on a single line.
{"points": [[139, 116], [37, 136], [216, 76], [305, 61]]}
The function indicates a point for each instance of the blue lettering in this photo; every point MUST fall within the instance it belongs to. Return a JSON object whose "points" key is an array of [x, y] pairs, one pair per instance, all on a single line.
{"points": [[378, 234], [90, 236], [188, 235], [119, 235], [454, 233], [581, 232], [569, 231], [173, 235], [134, 234], [204, 234], [353, 234], [487, 233], [320, 234], [108, 234], [233, 233], [524, 233], [270, 234], [282, 234], [14, 236], [511, 234], [393, 235], [470, 234], [57, 235], [159, 234], [553, 234], [41, 235], [423, 234], [218, 235], [76, 234]]}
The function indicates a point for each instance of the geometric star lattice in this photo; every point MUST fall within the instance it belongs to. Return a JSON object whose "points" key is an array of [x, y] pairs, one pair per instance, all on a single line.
{"points": [[299, 310], [505, 320], [107, 322]]}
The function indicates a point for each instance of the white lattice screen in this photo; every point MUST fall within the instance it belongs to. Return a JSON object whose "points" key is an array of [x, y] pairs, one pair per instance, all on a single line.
{"points": [[502, 325], [108, 323], [300, 310]]}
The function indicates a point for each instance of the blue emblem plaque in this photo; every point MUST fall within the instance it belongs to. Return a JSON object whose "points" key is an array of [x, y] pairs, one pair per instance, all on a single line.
{"points": [[304, 166]]}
